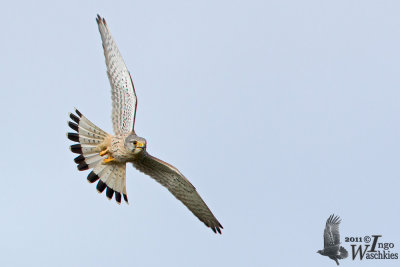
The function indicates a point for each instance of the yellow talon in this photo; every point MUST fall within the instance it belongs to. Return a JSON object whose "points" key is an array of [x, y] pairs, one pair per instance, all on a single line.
{"points": [[104, 152], [109, 159]]}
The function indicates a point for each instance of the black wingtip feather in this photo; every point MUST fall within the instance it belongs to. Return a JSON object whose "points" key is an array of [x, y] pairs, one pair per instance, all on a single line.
{"points": [[215, 228], [92, 177], [101, 186], [73, 137], [118, 197], [77, 148], [125, 198], [73, 126]]}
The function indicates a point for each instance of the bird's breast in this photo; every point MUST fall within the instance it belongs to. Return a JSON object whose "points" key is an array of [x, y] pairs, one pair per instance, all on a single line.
{"points": [[118, 150]]}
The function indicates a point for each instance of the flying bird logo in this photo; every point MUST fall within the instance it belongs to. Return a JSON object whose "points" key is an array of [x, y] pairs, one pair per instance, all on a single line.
{"points": [[332, 247], [108, 154]]}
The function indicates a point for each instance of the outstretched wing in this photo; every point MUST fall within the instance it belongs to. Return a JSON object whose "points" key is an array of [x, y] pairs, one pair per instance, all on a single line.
{"points": [[123, 94], [180, 187], [331, 232]]}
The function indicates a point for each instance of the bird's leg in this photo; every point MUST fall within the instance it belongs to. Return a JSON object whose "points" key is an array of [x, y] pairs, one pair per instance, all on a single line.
{"points": [[107, 152], [109, 159]]}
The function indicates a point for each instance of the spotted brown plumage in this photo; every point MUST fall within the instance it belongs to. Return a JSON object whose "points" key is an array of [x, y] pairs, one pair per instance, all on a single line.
{"points": [[106, 155]]}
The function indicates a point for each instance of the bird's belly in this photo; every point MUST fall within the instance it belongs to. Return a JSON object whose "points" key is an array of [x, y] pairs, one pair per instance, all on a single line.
{"points": [[117, 149]]}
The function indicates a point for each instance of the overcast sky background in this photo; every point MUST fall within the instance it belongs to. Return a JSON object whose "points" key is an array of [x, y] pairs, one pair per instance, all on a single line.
{"points": [[279, 112]]}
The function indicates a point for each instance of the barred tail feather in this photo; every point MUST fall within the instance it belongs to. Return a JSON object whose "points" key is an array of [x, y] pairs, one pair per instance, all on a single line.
{"points": [[113, 177], [91, 140]]}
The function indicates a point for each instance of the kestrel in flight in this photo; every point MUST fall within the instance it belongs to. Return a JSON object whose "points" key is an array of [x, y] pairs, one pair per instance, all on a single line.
{"points": [[108, 154]]}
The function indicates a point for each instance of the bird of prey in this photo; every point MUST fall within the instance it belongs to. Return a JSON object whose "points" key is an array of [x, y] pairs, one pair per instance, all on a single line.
{"points": [[332, 247], [108, 154]]}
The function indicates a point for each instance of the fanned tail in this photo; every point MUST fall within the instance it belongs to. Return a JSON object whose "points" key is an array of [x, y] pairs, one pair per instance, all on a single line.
{"points": [[91, 140]]}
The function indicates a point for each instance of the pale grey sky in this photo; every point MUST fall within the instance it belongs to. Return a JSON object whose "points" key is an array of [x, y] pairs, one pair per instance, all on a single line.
{"points": [[279, 112]]}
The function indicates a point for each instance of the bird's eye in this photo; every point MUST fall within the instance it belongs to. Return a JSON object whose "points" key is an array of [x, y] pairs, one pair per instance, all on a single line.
{"points": [[135, 142]]}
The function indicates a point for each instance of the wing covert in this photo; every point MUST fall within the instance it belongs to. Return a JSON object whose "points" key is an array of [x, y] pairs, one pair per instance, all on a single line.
{"points": [[168, 176], [124, 101]]}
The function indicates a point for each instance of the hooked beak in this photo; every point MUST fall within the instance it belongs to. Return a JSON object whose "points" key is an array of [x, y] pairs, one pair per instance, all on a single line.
{"points": [[141, 145]]}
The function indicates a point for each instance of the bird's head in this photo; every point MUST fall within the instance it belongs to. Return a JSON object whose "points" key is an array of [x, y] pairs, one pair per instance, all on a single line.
{"points": [[135, 144], [319, 251]]}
